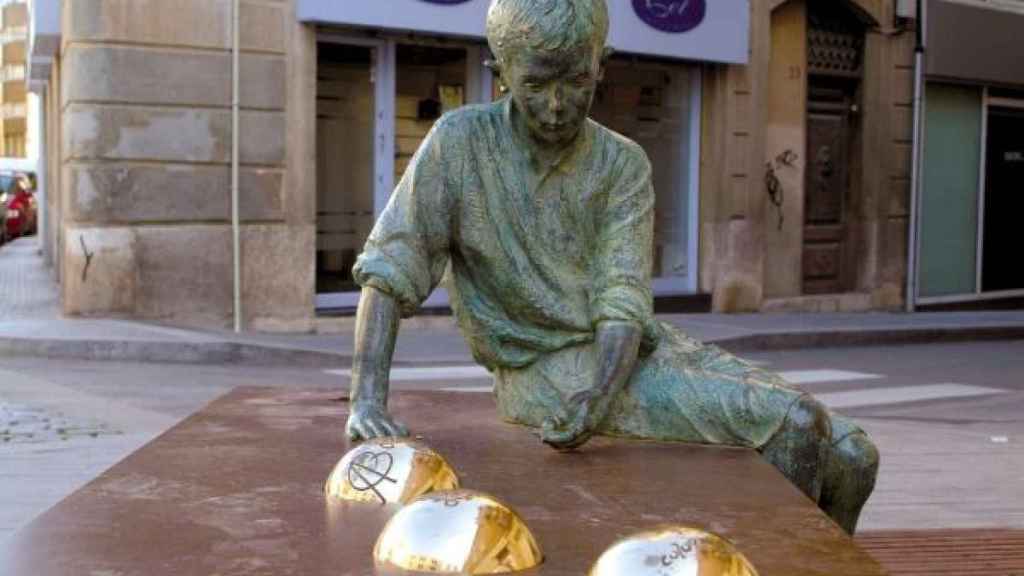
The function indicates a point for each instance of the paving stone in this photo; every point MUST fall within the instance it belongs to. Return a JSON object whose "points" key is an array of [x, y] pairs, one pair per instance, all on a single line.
{"points": [[26, 288]]}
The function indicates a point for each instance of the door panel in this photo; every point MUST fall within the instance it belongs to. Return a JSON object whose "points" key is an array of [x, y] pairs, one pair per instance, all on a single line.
{"points": [[826, 186]]}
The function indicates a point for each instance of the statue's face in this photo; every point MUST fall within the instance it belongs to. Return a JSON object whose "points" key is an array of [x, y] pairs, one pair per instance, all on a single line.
{"points": [[553, 90]]}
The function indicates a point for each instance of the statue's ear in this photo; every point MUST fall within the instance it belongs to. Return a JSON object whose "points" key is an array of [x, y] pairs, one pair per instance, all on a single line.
{"points": [[606, 54], [494, 66]]}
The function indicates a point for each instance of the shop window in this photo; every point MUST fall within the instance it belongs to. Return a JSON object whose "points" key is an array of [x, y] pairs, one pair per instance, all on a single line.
{"points": [[649, 102], [345, 181], [431, 80], [949, 206]]}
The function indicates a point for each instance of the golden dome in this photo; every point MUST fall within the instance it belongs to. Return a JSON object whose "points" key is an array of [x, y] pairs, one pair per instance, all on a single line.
{"points": [[457, 532], [389, 471], [673, 551]]}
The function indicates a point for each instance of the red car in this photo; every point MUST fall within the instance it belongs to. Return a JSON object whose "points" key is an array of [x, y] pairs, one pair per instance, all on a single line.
{"points": [[19, 205]]}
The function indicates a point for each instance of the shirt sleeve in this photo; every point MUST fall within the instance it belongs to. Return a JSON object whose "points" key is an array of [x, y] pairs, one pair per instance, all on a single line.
{"points": [[622, 286], [407, 251]]}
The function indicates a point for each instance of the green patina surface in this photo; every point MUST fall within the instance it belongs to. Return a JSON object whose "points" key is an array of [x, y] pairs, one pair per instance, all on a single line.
{"points": [[539, 222], [537, 256]]}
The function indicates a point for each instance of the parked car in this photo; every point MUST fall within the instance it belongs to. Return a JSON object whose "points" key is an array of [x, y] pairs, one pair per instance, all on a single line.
{"points": [[19, 206]]}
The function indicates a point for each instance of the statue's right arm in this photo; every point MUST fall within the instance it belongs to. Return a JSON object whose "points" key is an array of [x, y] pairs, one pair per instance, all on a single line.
{"points": [[376, 330]]}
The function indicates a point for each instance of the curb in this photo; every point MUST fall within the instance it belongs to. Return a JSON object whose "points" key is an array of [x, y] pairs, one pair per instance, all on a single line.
{"points": [[249, 354], [169, 352], [868, 337]]}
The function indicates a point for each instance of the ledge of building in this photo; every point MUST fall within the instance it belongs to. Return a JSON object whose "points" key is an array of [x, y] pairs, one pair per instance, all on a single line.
{"points": [[845, 302]]}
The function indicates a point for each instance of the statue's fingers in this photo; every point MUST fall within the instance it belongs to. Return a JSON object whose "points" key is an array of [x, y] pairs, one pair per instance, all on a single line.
{"points": [[376, 429], [578, 441], [355, 431], [558, 438], [393, 428]]}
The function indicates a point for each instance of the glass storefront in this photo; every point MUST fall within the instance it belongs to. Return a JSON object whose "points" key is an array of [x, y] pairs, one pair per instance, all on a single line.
{"points": [[971, 195], [651, 104], [378, 98]]}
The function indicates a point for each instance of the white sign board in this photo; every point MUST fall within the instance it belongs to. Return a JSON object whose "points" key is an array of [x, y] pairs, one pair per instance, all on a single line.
{"points": [[706, 30]]}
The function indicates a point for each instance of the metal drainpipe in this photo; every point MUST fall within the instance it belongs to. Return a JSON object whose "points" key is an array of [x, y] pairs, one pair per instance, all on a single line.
{"points": [[913, 234], [235, 223]]}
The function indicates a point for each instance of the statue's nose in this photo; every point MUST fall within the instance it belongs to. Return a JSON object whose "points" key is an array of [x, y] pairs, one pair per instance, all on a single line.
{"points": [[557, 100]]}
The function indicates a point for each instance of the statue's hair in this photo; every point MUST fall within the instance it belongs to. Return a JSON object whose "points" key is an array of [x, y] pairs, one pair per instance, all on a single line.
{"points": [[550, 25]]}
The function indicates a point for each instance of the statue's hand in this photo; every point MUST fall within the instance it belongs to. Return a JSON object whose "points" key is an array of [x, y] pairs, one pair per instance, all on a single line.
{"points": [[589, 409], [369, 420]]}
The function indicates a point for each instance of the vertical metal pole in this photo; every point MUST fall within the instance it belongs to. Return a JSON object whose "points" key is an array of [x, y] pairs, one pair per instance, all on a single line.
{"points": [[43, 228], [385, 93], [235, 223], [913, 232], [693, 186]]}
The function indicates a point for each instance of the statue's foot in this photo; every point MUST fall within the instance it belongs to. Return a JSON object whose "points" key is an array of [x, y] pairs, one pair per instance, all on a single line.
{"points": [[851, 467], [799, 447]]}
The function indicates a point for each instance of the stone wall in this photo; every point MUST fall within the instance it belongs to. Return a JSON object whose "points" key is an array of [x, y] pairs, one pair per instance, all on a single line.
{"points": [[145, 124]]}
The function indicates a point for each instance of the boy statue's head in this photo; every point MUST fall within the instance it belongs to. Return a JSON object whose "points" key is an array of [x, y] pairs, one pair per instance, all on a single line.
{"points": [[550, 56]]}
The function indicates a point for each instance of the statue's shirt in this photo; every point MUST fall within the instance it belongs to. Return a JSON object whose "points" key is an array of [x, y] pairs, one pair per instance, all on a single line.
{"points": [[538, 254]]}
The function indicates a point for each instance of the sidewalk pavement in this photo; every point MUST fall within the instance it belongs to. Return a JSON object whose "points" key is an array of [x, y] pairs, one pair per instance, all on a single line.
{"points": [[30, 325]]}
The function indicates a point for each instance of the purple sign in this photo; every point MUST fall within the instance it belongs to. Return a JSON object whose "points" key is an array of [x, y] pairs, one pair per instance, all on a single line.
{"points": [[675, 16]]}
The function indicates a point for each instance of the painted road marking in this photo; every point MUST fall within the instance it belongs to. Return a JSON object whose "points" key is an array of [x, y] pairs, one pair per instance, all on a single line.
{"points": [[474, 372], [822, 376], [430, 373], [884, 396]]}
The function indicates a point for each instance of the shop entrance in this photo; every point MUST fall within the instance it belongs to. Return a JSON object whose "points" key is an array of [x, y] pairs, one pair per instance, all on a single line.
{"points": [[376, 101], [1004, 201], [345, 178]]}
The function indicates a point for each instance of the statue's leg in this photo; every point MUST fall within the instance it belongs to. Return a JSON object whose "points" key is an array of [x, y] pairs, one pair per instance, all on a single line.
{"points": [[800, 446], [851, 467]]}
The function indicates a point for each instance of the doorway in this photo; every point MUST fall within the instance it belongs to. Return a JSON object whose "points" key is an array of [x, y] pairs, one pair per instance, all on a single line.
{"points": [[377, 98], [1004, 198], [345, 157], [835, 45]]}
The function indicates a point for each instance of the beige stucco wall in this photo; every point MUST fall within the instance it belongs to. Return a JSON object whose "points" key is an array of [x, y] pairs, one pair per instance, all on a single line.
{"points": [[754, 112], [145, 133], [785, 133]]}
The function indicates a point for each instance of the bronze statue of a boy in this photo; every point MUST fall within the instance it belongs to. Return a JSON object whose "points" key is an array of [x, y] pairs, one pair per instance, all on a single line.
{"points": [[543, 220]]}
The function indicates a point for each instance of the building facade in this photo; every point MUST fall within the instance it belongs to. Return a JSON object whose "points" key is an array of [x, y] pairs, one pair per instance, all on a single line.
{"points": [[13, 101], [780, 131]]}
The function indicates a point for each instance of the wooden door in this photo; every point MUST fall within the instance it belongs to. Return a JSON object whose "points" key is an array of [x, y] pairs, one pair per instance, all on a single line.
{"points": [[826, 267]]}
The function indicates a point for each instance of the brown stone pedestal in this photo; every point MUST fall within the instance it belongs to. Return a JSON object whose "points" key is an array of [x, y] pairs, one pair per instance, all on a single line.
{"points": [[237, 489]]}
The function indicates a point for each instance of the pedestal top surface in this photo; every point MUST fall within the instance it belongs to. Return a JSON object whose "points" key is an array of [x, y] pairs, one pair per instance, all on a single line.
{"points": [[237, 489]]}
